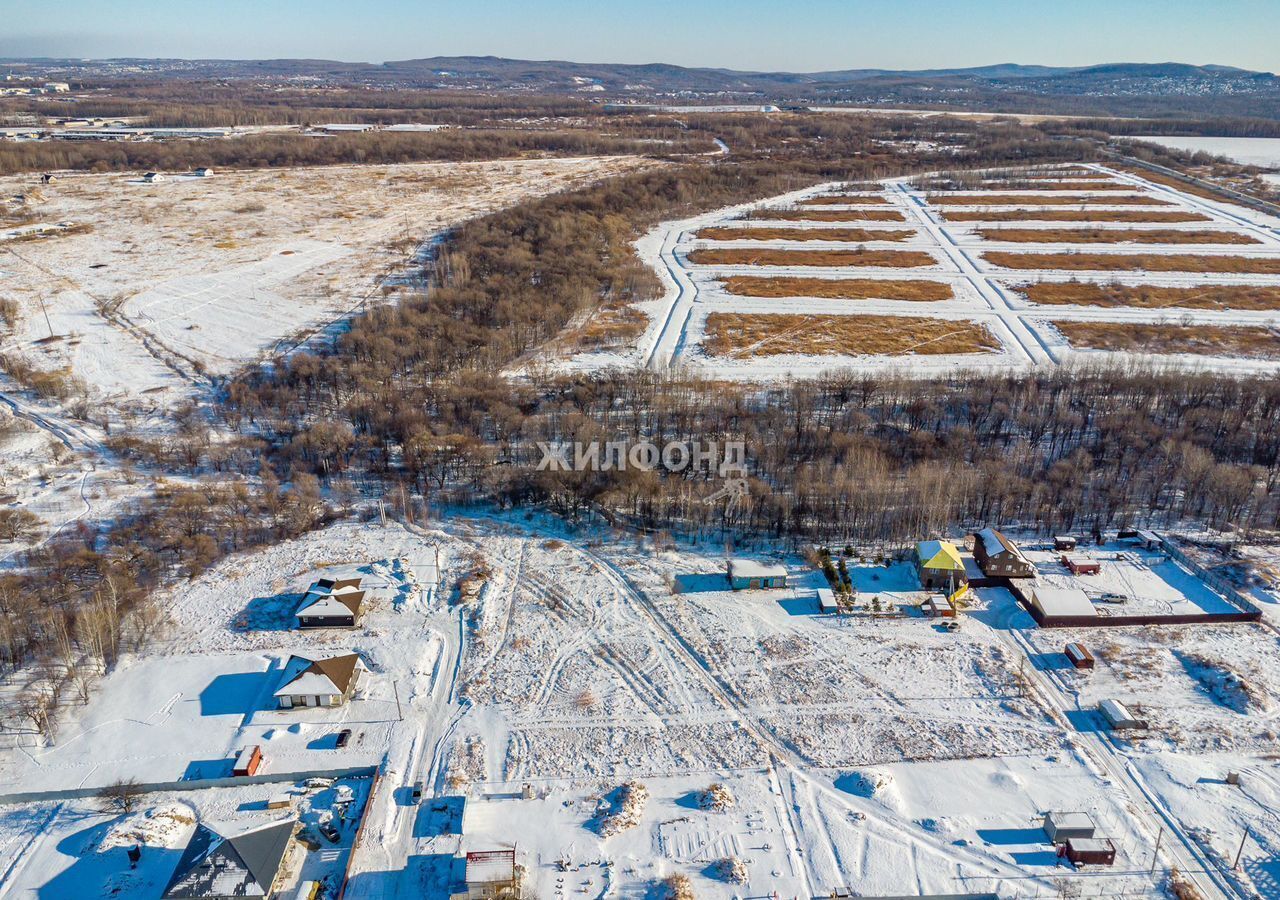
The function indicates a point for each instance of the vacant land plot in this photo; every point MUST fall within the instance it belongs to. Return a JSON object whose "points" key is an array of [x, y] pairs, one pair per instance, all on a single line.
{"points": [[735, 256], [1194, 190], [1208, 296], [1113, 236], [1249, 341], [1081, 184], [1043, 200], [848, 235], [840, 288], [1151, 262], [1077, 215], [738, 334], [830, 215], [845, 200]]}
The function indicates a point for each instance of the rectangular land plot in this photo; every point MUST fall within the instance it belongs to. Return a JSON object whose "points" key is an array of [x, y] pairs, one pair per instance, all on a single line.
{"points": [[1145, 296], [840, 288], [845, 200], [1250, 341], [1044, 200], [1113, 236], [829, 215], [1122, 262], [765, 334], [762, 233], [765, 256], [1159, 216]]}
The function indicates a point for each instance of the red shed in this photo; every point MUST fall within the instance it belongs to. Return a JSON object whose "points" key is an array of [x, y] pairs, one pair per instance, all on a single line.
{"points": [[1080, 565], [248, 761], [1089, 851], [1079, 655]]}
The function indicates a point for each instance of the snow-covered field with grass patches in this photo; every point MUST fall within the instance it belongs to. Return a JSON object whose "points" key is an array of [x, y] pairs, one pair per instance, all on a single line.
{"points": [[985, 294]]}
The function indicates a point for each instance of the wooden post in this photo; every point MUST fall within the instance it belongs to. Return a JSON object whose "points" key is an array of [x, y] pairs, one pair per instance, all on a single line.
{"points": [[1156, 853], [1244, 837]]}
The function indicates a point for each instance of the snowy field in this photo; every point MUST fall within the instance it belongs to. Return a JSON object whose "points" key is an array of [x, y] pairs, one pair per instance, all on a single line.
{"points": [[168, 281], [983, 293], [875, 750], [1262, 152]]}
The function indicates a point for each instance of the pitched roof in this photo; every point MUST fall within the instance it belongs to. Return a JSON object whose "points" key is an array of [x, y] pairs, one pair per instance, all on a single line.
{"points": [[240, 865], [995, 543], [338, 597], [331, 675], [939, 555]]}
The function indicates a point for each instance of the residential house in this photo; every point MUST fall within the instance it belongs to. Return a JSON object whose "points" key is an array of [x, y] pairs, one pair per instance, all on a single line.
{"points": [[217, 866], [327, 681]]}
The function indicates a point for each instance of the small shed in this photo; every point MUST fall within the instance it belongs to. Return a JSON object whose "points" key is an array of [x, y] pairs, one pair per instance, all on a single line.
{"points": [[749, 575], [1081, 565], [1089, 851], [1119, 717], [827, 601], [152, 177], [248, 761], [1150, 540], [938, 606], [1064, 542], [1063, 826], [202, 172], [1079, 656]]}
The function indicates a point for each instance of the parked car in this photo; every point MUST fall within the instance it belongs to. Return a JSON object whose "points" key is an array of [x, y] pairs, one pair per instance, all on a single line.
{"points": [[952, 625], [330, 831], [344, 737], [1113, 598]]}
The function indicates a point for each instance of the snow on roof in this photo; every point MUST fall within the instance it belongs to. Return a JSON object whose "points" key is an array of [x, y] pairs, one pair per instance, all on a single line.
{"points": [[826, 598], [1115, 711], [240, 865], [995, 543], [489, 866], [939, 555], [1089, 844], [1059, 600], [322, 603], [1070, 819], [749, 568], [318, 677]]}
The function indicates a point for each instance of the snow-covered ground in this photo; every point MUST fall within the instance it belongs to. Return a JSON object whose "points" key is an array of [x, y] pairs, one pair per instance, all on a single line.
{"points": [[984, 293], [1263, 152], [170, 280], [876, 750]]}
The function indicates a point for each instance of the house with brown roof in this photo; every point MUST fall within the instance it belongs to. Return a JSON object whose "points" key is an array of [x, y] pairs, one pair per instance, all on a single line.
{"points": [[999, 557], [324, 681], [331, 603]]}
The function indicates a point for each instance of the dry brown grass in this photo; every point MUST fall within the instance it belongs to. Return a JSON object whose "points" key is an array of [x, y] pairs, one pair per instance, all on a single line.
{"points": [[839, 288], [1251, 341], [765, 334], [1076, 215], [739, 256], [845, 200], [1169, 181], [831, 215], [1209, 296], [1044, 200], [1113, 236], [764, 233], [1083, 184], [1124, 262]]}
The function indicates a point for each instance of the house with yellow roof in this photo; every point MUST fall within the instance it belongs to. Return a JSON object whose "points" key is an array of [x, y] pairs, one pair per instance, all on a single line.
{"points": [[939, 565]]}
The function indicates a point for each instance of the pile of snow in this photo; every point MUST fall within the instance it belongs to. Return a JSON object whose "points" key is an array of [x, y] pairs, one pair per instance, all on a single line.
{"points": [[865, 783], [166, 825], [628, 806], [716, 798]]}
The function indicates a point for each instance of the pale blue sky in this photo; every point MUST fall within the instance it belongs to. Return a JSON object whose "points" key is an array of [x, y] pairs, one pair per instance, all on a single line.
{"points": [[800, 35]]}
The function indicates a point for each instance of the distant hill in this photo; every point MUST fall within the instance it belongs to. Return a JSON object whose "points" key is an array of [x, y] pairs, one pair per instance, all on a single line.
{"points": [[1136, 89]]}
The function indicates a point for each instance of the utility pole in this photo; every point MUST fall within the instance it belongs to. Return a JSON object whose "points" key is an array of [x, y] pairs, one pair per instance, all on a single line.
{"points": [[1244, 837], [1155, 855], [395, 687]]}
